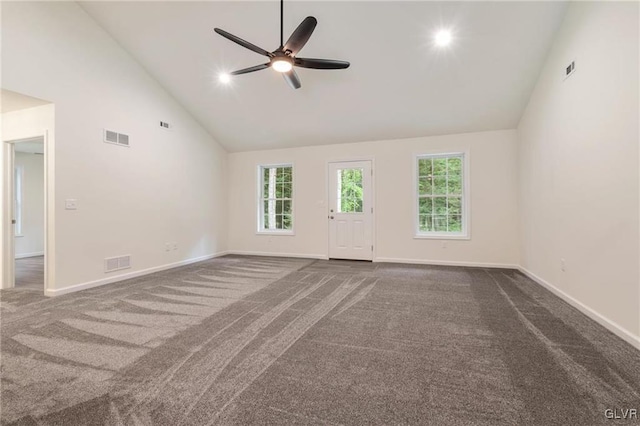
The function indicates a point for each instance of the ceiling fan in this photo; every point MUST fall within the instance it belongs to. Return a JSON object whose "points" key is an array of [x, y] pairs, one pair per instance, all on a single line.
{"points": [[284, 58]]}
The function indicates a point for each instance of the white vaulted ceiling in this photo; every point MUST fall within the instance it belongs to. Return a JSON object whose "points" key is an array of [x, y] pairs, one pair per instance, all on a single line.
{"points": [[399, 84]]}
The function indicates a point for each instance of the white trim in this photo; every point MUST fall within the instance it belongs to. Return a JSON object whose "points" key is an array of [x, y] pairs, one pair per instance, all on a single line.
{"points": [[440, 236], [25, 255], [374, 223], [610, 325], [327, 197], [466, 196], [49, 202], [122, 277], [7, 242], [18, 197], [275, 254], [446, 263], [259, 200]]}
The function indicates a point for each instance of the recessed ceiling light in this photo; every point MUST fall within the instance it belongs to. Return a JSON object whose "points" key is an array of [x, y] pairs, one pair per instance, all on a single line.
{"points": [[443, 38], [224, 78]]}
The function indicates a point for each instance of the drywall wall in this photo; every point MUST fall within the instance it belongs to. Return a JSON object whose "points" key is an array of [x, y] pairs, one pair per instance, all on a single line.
{"points": [[167, 187], [578, 164], [31, 240], [493, 199]]}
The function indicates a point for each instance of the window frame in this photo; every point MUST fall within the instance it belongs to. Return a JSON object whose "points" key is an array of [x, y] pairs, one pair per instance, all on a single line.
{"points": [[18, 199], [465, 234], [260, 201]]}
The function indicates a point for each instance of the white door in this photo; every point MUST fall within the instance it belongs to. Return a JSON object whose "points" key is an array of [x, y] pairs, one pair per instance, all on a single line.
{"points": [[350, 210], [8, 248]]}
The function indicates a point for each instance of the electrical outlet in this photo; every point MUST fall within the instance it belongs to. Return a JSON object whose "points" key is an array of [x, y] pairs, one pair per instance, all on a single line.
{"points": [[167, 247], [562, 265], [443, 244], [174, 246]]}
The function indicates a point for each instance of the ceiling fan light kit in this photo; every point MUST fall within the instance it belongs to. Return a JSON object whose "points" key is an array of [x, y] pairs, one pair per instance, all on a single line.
{"points": [[284, 58]]}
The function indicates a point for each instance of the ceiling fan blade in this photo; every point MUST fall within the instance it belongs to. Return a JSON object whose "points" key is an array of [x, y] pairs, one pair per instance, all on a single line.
{"points": [[292, 79], [242, 42], [250, 69], [301, 35], [321, 64]]}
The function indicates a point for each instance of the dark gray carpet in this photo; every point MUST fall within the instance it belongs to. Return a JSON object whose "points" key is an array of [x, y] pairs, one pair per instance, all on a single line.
{"points": [[247, 340]]}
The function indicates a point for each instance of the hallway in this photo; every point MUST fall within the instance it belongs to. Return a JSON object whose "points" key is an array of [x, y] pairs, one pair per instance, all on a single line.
{"points": [[30, 273]]}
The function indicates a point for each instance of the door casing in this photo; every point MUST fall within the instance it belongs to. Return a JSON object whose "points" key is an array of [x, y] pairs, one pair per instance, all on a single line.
{"points": [[7, 274], [346, 161]]}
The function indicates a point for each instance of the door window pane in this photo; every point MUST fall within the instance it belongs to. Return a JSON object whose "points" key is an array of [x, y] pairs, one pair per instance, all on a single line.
{"points": [[350, 196]]}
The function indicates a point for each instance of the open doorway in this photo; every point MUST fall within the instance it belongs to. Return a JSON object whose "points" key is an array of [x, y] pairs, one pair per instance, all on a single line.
{"points": [[29, 213], [26, 193]]}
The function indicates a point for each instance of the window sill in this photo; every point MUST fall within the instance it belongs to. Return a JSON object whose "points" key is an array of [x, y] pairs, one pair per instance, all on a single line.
{"points": [[281, 233], [441, 237]]}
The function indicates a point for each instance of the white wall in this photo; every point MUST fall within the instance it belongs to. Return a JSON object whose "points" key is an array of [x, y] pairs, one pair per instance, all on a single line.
{"points": [[31, 241], [578, 163], [493, 199], [168, 187]]}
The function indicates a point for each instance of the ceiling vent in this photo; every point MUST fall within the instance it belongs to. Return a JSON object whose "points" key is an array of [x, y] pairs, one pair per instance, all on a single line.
{"points": [[116, 138]]}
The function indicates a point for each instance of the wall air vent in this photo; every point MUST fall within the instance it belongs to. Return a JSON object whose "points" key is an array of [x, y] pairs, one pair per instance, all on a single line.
{"points": [[116, 138], [117, 263], [110, 136], [123, 139], [569, 69]]}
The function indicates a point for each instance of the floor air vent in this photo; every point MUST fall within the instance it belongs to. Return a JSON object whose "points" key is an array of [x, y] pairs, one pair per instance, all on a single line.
{"points": [[117, 263]]}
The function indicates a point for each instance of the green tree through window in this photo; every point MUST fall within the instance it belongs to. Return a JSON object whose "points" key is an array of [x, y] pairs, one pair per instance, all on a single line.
{"points": [[276, 203], [350, 191], [441, 194]]}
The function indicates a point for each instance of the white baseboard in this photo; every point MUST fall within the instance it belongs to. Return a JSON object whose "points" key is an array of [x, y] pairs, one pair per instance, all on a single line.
{"points": [[615, 328], [122, 277], [446, 263], [274, 254], [25, 255]]}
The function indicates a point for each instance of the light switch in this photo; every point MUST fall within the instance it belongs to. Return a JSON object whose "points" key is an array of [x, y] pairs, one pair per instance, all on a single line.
{"points": [[71, 204]]}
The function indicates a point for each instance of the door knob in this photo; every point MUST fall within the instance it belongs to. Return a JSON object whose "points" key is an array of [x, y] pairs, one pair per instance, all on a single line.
{"points": [[330, 217], [13, 221]]}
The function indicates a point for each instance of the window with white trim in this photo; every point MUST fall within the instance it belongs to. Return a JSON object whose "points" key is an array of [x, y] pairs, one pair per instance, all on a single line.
{"points": [[441, 196], [18, 195], [276, 199]]}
